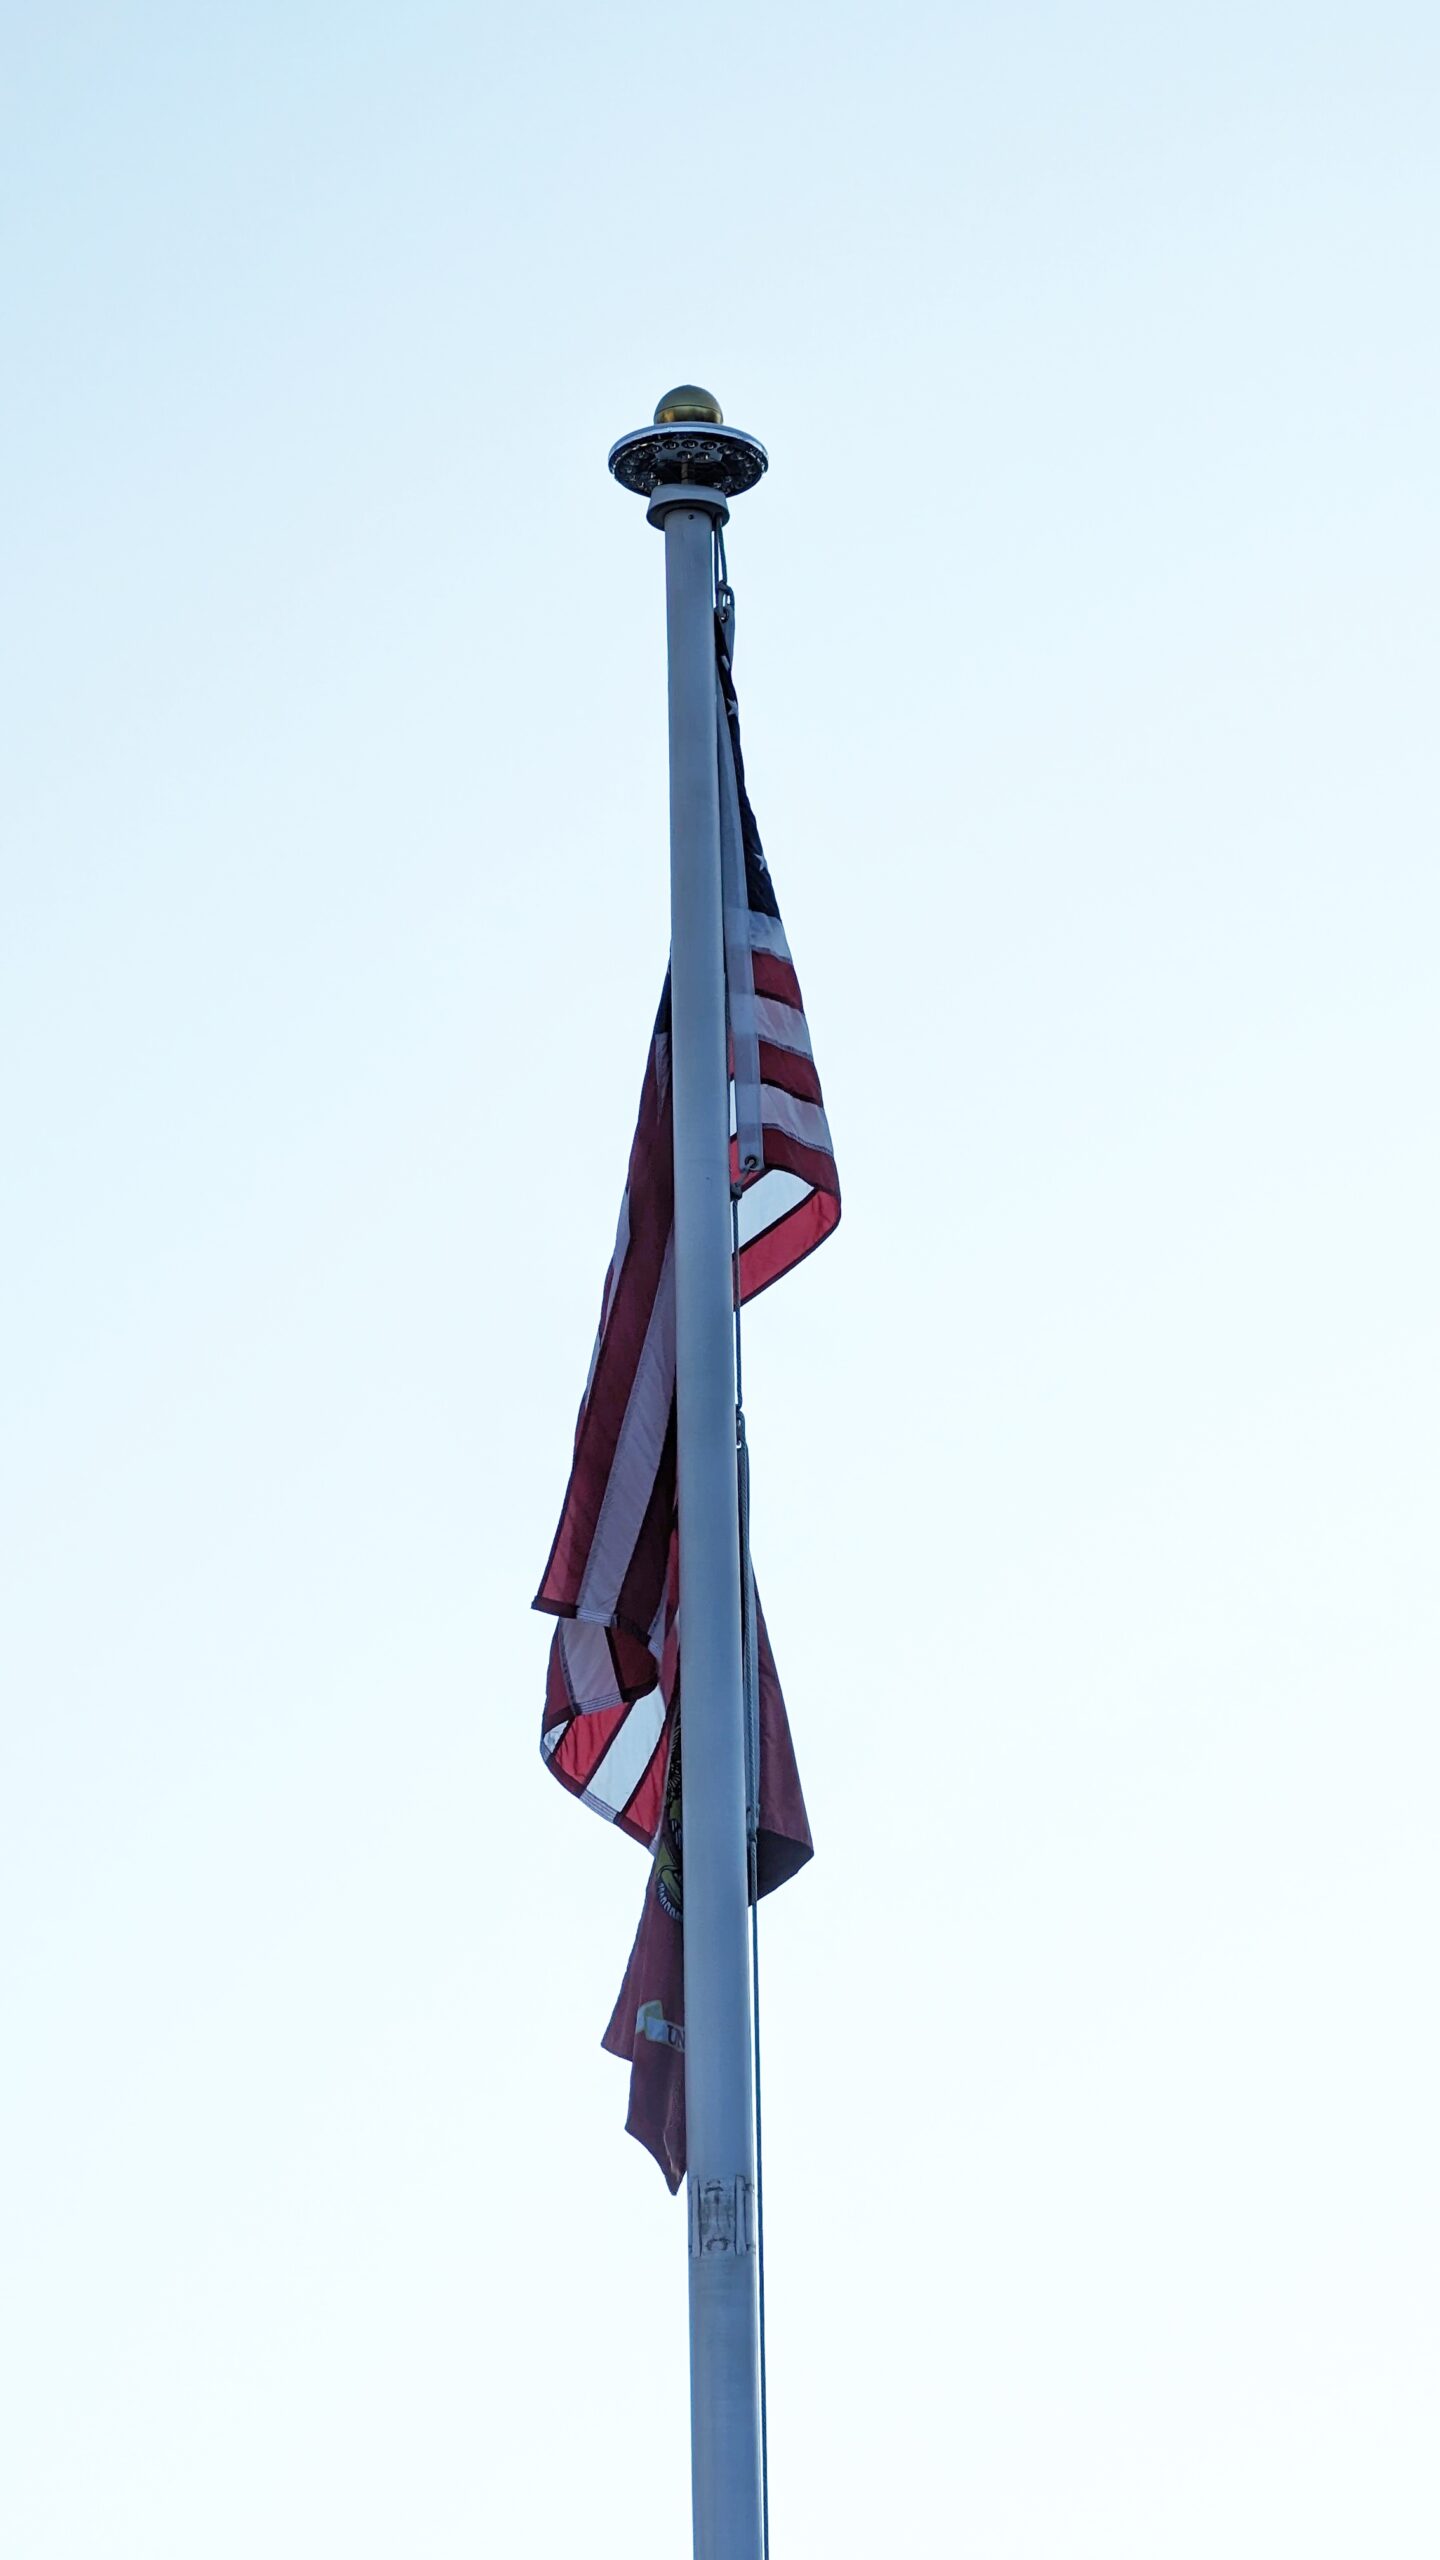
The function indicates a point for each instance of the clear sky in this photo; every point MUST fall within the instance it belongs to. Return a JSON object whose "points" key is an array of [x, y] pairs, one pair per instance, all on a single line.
{"points": [[1088, 662]]}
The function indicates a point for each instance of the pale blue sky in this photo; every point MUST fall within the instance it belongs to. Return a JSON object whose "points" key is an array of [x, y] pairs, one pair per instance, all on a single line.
{"points": [[1087, 656]]}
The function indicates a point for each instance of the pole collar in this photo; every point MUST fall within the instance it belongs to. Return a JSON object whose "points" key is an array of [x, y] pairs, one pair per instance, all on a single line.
{"points": [[682, 493]]}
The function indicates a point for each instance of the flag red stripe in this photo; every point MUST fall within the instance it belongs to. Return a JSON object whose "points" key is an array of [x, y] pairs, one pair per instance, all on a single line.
{"points": [[790, 1071], [776, 978]]}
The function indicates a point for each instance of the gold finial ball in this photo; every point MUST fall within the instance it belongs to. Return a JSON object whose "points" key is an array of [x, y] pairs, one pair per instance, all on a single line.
{"points": [[688, 406]]}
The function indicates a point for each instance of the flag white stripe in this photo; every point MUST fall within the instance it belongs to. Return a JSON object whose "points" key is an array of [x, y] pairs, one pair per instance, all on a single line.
{"points": [[614, 1782], [802, 1120], [637, 1455], [782, 1024], [770, 1199], [767, 933], [589, 1665]]}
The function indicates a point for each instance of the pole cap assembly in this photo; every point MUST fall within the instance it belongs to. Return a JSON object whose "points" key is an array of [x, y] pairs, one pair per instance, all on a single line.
{"points": [[689, 456]]}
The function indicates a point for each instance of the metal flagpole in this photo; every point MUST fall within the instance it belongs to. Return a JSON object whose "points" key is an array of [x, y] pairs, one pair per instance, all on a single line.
{"points": [[688, 465]]}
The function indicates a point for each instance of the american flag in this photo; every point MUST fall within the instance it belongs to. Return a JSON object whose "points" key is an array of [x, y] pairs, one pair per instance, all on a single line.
{"points": [[612, 1696]]}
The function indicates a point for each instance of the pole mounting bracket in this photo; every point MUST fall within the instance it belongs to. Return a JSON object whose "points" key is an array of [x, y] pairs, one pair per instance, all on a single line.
{"points": [[722, 2218]]}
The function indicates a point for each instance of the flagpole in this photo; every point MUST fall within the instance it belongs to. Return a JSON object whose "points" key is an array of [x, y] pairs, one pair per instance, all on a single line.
{"points": [[687, 466]]}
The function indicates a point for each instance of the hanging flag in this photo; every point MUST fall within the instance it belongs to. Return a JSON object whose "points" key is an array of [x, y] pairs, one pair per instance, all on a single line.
{"points": [[610, 1730]]}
